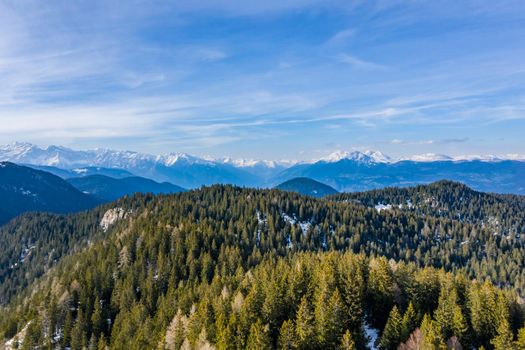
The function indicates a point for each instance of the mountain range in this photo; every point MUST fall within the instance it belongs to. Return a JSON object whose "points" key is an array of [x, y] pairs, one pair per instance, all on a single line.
{"points": [[344, 171]]}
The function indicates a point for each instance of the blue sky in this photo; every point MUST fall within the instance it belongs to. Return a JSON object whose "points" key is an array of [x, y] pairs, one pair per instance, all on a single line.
{"points": [[265, 79]]}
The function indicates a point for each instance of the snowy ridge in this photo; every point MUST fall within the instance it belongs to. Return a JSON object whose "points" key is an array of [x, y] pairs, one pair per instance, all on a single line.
{"points": [[366, 157], [63, 157]]}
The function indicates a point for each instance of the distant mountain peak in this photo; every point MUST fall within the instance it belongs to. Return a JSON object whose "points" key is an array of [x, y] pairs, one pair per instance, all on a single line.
{"points": [[174, 158], [251, 163], [429, 157], [365, 157]]}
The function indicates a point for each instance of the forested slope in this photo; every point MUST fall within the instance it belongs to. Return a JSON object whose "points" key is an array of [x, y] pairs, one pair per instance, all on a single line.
{"points": [[258, 269]]}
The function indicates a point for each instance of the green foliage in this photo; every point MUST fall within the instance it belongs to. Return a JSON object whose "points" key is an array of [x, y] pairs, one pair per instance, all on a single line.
{"points": [[224, 267], [393, 332], [431, 335]]}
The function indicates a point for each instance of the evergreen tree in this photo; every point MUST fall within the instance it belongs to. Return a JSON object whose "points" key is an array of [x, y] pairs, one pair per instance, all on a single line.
{"points": [[444, 314], [393, 332], [347, 342], [520, 343], [102, 345], [431, 335], [33, 336], [459, 324], [97, 321], [503, 340], [409, 322], [304, 325], [287, 336], [259, 338]]}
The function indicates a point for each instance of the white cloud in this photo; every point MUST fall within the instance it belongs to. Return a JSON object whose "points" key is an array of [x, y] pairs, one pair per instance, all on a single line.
{"points": [[358, 62], [341, 36]]}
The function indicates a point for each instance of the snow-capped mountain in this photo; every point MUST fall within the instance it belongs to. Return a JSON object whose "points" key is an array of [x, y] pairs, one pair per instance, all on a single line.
{"points": [[66, 158], [178, 168], [366, 157], [343, 170], [428, 157]]}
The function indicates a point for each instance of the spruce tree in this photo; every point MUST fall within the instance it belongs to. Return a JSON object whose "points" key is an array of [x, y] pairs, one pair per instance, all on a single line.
{"points": [[444, 314], [503, 341], [459, 324], [259, 338], [287, 336], [347, 342], [304, 325], [520, 343], [393, 332], [409, 321], [431, 336]]}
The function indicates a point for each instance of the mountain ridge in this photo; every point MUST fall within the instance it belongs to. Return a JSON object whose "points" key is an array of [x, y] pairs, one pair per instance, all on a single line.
{"points": [[344, 171], [66, 157], [25, 189]]}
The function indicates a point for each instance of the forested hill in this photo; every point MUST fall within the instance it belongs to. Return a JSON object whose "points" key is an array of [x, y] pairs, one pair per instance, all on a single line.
{"points": [[241, 268], [505, 214], [306, 186]]}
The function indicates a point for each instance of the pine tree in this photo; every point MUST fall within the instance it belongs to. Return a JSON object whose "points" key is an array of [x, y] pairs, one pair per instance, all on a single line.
{"points": [[78, 335], [380, 291], [503, 341], [334, 319], [259, 338], [68, 327], [431, 336], [444, 314], [520, 343], [102, 345], [352, 294], [33, 336], [393, 331], [287, 336], [304, 325], [459, 324], [96, 319], [92, 345], [176, 331], [409, 322], [347, 342], [223, 335]]}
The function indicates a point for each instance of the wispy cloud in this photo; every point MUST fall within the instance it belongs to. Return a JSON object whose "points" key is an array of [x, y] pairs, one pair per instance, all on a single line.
{"points": [[358, 62], [211, 74], [341, 36]]}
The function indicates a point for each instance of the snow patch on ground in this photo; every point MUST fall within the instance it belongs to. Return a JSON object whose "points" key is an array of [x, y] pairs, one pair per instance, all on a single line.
{"points": [[372, 335], [262, 221], [380, 206], [80, 170], [304, 225]]}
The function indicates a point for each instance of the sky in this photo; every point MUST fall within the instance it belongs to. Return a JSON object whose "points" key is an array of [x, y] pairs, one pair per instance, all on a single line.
{"points": [[293, 79]]}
